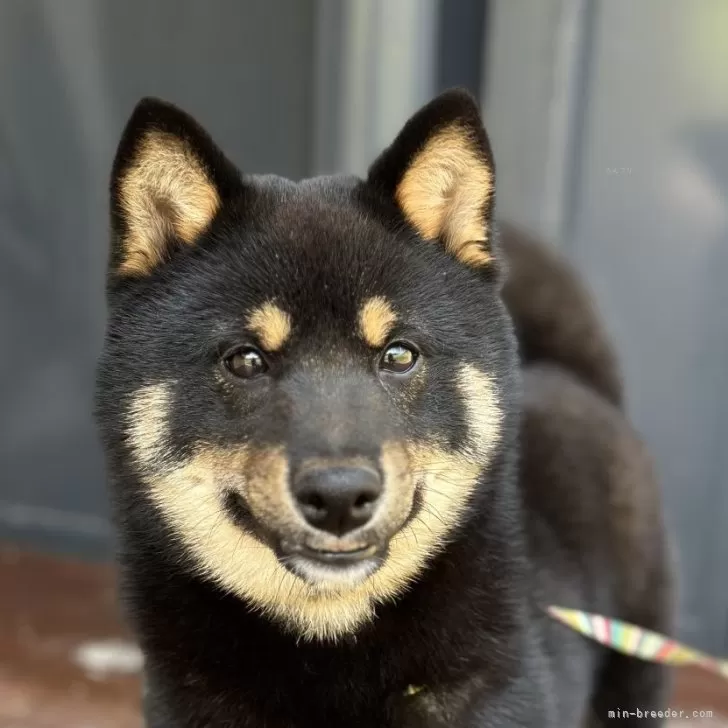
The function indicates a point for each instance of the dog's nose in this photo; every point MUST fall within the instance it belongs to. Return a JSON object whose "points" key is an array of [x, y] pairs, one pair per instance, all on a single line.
{"points": [[337, 499]]}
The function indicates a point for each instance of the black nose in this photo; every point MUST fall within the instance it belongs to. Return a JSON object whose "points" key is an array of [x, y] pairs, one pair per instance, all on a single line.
{"points": [[337, 499]]}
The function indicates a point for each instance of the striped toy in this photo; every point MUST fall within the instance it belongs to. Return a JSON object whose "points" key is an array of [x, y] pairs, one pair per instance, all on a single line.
{"points": [[635, 641]]}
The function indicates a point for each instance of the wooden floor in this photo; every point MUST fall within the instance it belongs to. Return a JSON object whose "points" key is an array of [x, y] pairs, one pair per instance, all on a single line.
{"points": [[66, 661], [52, 612]]}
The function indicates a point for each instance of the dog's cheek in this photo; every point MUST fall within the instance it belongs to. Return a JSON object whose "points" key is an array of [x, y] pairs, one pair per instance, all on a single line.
{"points": [[147, 427], [482, 412]]}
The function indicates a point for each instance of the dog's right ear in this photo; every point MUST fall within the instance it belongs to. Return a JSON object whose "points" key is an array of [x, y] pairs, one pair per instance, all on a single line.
{"points": [[168, 182]]}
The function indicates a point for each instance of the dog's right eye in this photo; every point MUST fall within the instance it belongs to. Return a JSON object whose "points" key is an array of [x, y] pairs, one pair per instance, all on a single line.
{"points": [[246, 363], [398, 358]]}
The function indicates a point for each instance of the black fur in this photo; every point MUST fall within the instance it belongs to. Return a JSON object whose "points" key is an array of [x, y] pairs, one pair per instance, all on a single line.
{"points": [[542, 526]]}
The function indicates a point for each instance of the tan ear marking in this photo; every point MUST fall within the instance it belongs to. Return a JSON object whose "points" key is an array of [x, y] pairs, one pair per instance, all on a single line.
{"points": [[165, 192], [444, 193], [271, 324], [376, 319]]}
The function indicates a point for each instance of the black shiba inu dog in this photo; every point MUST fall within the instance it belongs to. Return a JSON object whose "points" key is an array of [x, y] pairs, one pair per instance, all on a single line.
{"points": [[344, 499]]}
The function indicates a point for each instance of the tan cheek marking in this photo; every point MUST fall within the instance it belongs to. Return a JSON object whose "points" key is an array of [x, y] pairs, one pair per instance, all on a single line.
{"points": [[444, 193], [271, 324], [147, 420], [166, 192], [376, 319], [484, 413]]}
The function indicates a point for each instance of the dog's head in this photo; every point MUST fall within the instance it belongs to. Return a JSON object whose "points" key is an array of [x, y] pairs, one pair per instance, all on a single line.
{"points": [[308, 379]]}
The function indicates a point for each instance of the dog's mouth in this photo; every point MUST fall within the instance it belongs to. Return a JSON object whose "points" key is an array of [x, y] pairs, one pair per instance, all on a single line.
{"points": [[340, 558], [322, 561], [327, 569]]}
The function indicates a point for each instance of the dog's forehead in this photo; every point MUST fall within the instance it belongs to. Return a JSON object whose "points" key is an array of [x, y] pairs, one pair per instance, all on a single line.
{"points": [[322, 217], [314, 243]]}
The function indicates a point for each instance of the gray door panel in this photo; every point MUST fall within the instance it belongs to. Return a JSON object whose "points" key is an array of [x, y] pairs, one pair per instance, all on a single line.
{"points": [[645, 164]]}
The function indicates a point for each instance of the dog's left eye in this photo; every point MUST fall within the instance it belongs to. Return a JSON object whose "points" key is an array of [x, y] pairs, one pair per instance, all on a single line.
{"points": [[246, 363], [398, 358]]}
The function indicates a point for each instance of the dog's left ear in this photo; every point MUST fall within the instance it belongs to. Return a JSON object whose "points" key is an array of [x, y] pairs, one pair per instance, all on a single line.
{"points": [[440, 173]]}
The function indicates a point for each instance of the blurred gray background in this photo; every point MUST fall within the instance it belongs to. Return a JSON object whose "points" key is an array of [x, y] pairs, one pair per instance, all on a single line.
{"points": [[609, 121]]}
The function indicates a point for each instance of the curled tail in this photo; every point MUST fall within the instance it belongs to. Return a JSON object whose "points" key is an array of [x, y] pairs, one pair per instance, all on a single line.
{"points": [[555, 317]]}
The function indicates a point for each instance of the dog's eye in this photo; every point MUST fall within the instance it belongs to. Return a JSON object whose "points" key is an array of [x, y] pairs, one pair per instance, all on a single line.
{"points": [[246, 363], [398, 358]]}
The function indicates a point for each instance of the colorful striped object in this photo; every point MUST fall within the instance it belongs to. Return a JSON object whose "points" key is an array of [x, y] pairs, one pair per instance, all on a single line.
{"points": [[635, 641]]}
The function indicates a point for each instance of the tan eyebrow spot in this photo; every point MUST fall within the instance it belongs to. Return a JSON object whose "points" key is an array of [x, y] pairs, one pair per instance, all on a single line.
{"points": [[376, 319], [271, 324]]}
